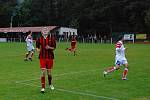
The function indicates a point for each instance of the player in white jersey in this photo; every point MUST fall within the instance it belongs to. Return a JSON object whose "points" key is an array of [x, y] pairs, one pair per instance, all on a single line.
{"points": [[30, 47], [120, 59]]}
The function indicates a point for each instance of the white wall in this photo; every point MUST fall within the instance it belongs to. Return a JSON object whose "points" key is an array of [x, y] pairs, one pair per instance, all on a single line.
{"points": [[69, 30], [3, 39]]}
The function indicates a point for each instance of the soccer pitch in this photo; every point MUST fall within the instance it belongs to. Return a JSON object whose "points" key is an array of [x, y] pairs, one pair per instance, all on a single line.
{"points": [[75, 77]]}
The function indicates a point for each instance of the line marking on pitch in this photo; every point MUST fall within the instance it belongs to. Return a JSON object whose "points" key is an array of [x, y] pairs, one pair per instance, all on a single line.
{"points": [[57, 75], [76, 92], [69, 91]]}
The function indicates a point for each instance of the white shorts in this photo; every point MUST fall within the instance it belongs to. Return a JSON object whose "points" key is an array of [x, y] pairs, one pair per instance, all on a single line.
{"points": [[30, 48], [121, 62]]}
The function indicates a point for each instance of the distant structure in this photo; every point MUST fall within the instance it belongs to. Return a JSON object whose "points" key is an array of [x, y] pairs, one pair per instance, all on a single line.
{"points": [[67, 31], [61, 33]]}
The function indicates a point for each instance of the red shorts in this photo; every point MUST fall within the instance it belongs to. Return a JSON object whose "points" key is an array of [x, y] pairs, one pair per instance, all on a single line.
{"points": [[72, 49], [46, 63]]}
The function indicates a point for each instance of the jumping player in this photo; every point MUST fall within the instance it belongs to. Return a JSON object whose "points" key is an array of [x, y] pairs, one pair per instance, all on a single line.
{"points": [[119, 60], [46, 45], [30, 47], [73, 45]]}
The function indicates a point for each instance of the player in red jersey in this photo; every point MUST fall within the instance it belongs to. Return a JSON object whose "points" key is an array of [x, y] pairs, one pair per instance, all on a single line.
{"points": [[73, 45], [46, 45]]}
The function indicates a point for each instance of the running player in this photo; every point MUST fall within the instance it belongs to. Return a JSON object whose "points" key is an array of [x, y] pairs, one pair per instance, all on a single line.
{"points": [[120, 59], [30, 47], [73, 45]]}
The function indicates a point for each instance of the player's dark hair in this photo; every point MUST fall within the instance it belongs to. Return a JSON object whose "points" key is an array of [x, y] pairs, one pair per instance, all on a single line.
{"points": [[28, 32]]}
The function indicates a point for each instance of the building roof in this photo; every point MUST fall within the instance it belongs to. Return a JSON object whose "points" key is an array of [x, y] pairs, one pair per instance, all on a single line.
{"points": [[26, 29]]}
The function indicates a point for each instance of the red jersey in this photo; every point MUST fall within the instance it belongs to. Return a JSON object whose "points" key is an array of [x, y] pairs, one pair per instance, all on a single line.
{"points": [[41, 44], [73, 42]]}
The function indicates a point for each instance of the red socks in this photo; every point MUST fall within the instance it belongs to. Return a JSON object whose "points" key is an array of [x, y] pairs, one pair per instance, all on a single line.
{"points": [[43, 81], [125, 73], [110, 69]]}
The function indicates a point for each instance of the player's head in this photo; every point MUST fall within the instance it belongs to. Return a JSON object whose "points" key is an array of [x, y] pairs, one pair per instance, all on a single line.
{"points": [[29, 32], [45, 32], [121, 37]]}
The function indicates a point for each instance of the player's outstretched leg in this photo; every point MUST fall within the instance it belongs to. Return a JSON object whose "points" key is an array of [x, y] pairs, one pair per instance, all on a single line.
{"points": [[109, 70], [69, 49], [66, 49]]}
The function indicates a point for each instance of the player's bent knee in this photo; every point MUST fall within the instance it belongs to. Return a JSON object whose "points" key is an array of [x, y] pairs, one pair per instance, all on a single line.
{"points": [[126, 65], [118, 67]]}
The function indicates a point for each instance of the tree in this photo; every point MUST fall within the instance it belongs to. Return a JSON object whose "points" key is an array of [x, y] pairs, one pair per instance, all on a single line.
{"points": [[89, 16], [147, 19], [6, 11], [24, 14], [136, 12]]}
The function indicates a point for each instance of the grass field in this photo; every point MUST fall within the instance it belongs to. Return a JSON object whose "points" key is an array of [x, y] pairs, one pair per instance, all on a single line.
{"points": [[75, 77]]}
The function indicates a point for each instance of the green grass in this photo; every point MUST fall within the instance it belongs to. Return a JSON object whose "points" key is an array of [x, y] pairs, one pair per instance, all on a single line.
{"points": [[83, 78]]}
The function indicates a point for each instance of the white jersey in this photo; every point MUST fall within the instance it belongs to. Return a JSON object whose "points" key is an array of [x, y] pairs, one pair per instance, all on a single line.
{"points": [[120, 53], [29, 41]]}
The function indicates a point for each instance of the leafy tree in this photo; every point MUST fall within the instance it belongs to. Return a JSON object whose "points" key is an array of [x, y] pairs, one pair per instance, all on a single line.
{"points": [[7, 9], [24, 14], [89, 16]]}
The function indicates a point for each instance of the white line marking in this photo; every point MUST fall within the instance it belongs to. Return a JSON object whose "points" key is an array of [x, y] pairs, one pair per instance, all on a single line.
{"points": [[77, 92], [70, 91], [85, 85], [16, 55], [27, 80], [86, 94], [76, 72], [57, 75]]}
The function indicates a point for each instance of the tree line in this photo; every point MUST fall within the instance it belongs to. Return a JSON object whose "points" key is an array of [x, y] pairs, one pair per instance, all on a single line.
{"points": [[88, 16]]}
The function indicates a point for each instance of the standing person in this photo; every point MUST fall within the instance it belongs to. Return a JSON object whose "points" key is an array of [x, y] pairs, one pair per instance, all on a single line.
{"points": [[46, 45], [30, 47], [73, 45], [119, 60]]}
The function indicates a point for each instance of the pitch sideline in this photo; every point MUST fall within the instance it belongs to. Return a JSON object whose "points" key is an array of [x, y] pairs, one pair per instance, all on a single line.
{"points": [[57, 75], [76, 92]]}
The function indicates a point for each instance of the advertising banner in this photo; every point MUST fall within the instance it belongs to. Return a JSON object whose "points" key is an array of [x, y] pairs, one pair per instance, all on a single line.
{"points": [[129, 36]]}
